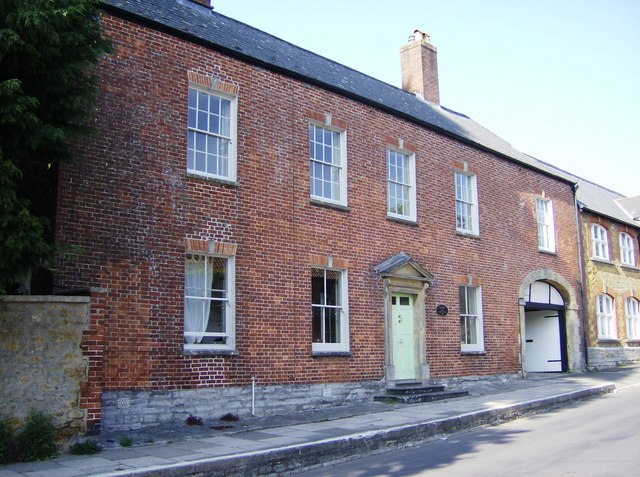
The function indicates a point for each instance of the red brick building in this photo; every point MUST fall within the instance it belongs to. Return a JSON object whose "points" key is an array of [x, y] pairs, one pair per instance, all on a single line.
{"points": [[252, 212]]}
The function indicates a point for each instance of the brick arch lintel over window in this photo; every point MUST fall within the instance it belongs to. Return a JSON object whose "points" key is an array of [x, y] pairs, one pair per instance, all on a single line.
{"points": [[630, 294], [470, 280], [327, 119], [210, 246], [212, 82], [400, 144], [575, 352], [465, 167]]}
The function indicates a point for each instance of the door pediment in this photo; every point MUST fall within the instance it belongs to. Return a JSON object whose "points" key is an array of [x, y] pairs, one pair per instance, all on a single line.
{"points": [[404, 267]]}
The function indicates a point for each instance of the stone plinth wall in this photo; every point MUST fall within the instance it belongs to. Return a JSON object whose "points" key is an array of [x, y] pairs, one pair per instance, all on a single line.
{"points": [[125, 410], [608, 357], [41, 363]]}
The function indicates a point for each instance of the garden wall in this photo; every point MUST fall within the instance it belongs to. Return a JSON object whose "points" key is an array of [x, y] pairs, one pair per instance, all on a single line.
{"points": [[41, 363]]}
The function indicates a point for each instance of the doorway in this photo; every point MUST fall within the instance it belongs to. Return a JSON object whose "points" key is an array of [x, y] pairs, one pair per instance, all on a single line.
{"points": [[403, 337], [545, 330]]}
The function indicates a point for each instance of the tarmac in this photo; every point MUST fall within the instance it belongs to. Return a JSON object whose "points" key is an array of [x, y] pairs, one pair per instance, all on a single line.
{"points": [[277, 445]]}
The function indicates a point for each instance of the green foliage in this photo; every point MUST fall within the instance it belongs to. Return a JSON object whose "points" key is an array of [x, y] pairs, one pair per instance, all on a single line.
{"points": [[126, 441], [47, 94], [36, 440], [6, 442], [87, 447]]}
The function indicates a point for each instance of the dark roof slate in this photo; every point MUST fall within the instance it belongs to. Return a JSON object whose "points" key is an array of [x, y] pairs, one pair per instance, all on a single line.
{"points": [[200, 24], [631, 206], [603, 201]]}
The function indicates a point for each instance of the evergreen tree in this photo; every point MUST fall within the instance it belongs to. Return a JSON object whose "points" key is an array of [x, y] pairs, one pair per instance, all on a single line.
{"points": [[48, 49]]}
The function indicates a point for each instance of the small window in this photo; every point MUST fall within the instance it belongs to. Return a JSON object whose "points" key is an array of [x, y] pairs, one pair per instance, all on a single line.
{"points": [[627, 254], [329, 313], [401, 185], [600, 242], [328, 164], [606, 317], [209, 309], [546, 230], [466, 204], [633, 318], [211, 135], [471, 327]]}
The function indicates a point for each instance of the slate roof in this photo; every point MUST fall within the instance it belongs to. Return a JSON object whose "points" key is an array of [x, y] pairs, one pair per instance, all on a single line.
{"points": [[631, 205], [603, 201], [197, 23]]}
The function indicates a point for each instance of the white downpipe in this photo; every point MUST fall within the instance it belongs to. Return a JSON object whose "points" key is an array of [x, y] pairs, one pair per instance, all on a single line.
{"points": [[253, 396]]}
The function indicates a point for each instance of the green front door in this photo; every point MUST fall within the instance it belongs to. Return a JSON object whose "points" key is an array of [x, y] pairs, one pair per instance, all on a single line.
{"points": [[403, 341]]}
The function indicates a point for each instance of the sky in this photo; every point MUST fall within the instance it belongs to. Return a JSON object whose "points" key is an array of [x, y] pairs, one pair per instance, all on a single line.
{"points": [[558, 79]]}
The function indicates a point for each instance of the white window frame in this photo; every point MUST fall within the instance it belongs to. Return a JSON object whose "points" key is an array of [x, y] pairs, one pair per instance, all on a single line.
{"points": [[228, 302], [627, 253], [606, 314], [479, 322], [339, 168], [599, 242], [468, 200], [211, 137], [545, 223], [404, 181], [342, 309], [632, 314]]}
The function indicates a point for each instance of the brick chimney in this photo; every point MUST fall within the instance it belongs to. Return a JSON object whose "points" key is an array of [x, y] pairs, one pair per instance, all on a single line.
{"points": [[204, 3], [419, 64]]}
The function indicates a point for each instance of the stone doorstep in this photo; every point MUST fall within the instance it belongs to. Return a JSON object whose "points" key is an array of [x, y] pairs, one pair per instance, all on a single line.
{"points": [[409, 389], [417, 397]]}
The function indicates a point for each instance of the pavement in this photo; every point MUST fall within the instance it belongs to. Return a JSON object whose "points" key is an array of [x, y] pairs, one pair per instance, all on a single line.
{"points": [[276, 445]]}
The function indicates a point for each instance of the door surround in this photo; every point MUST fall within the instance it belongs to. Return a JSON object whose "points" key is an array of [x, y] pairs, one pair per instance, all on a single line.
{"points": [[402, 276]]}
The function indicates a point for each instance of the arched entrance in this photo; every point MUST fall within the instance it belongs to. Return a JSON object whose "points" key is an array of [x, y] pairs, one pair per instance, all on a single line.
{"points": [[549, 316], [545, 331]]}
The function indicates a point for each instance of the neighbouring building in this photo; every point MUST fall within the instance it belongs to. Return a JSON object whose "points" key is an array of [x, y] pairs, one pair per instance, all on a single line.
{"points": [[250, 212], [610, 232]]}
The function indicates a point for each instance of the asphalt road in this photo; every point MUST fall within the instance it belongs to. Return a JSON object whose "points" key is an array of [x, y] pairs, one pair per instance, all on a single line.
{"points": [[595, 437]]}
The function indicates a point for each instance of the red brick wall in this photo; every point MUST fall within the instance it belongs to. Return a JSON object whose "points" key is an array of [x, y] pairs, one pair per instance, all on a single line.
{"points": [[128, 203]]}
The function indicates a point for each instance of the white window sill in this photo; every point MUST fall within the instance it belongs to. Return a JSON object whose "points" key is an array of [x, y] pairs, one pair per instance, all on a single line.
{"points": [[219, 180], [464, 233], [402, 220], [609, 340], [330, 205], [473, 353], [547, 251], [602, 260], [630, 267], [210, 352], [317, 354]]}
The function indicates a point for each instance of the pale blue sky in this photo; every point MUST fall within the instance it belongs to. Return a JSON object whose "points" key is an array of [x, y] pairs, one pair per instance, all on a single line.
{"points": [[558, 79]]}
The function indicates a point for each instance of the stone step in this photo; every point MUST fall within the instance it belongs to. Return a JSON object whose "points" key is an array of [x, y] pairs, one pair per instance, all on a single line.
{"points": [[418, 398], [413, 389]]}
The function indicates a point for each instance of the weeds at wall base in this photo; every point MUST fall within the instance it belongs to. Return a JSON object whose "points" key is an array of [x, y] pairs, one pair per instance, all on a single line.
{"points": [[35, 441]]}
